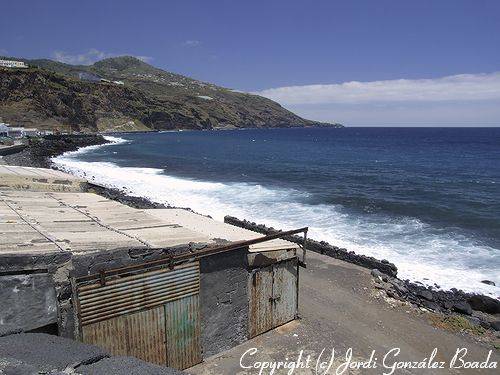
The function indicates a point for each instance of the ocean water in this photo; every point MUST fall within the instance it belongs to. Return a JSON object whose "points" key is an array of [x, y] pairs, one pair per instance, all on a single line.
{"points": [[427, 199]]}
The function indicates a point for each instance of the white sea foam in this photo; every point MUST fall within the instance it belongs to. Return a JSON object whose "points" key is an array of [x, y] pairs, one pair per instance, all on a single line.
{"points": [[421, 252], [83, 150], [116, 140]]}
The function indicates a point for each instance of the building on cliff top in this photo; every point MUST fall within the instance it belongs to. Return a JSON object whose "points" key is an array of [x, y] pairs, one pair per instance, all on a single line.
{"points": [[12, 64], [4, 130]]}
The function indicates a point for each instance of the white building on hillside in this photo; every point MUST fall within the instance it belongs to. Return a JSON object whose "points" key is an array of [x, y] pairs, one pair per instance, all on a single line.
{"points": [[12, 64], [4, 130], [21, 132]]}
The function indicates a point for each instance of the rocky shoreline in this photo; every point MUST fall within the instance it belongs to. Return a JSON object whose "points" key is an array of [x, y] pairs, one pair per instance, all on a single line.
{"points": [[39, 151], [479, 309]]}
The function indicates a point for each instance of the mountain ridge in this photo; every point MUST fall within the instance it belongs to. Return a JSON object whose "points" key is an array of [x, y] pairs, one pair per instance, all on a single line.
{"points": [[126, 94]]}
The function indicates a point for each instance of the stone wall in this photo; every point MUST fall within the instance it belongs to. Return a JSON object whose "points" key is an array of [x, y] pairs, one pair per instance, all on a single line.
{"points": [[321, 247], [32, 290], [224, 301]]}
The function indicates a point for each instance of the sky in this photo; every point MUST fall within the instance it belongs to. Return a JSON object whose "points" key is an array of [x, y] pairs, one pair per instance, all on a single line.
{"points": [[361, 63]]}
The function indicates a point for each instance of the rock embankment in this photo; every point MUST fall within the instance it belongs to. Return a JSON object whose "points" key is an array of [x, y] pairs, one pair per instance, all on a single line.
{"points": [[124, 198], [480, 309], [40, 150], [321, 247]]}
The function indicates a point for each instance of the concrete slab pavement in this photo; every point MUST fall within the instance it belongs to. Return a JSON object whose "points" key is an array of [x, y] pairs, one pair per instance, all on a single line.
{"points": [[218, 230], [38, 179], [44, 222]]}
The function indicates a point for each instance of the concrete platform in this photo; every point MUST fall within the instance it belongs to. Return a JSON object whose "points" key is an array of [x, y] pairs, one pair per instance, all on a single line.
{"points": [[45, 211], [217, 230], [38, 179], [47, 222]]}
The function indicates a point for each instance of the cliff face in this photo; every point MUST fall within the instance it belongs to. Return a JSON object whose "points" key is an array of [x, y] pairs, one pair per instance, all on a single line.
{"points": [[53, 96]]}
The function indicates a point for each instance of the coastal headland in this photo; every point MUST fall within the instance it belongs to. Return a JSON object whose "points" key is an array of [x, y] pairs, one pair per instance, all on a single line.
{"points": [[125, 94], [346, 300]]}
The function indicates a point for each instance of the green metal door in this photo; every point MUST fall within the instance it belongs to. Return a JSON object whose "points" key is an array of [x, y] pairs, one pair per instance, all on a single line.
{"points": [[182, 321]]}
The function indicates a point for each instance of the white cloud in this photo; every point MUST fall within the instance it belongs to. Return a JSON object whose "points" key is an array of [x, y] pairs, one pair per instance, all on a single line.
{"points": [[86, 58], [459, 100], [89, 57], [191, 43], [450, 88]]}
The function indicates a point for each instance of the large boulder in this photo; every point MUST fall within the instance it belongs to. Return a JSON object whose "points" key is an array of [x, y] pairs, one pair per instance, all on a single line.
{"points": [[485, 304], [462, 307]]}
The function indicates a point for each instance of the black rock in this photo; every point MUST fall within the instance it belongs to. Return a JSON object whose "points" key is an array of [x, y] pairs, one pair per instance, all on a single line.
{"points": [[485, 324], [447, 305], [391, 293], [495, 325], [427, 294], [485, 304], [462, 307], [431, 305], [39, 152], [376, 273], [488, 282], [400, 288], [124, 198]]}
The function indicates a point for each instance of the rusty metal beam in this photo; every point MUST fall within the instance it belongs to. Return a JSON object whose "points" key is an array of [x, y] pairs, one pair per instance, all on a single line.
{"points": [[171, 260]]}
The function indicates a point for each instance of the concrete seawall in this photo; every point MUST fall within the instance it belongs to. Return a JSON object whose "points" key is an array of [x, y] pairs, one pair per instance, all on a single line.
{"points": [[9, 150]]}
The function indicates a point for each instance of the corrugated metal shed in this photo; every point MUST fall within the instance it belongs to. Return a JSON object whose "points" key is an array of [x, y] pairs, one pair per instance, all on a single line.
{"points": [[153, 315]]}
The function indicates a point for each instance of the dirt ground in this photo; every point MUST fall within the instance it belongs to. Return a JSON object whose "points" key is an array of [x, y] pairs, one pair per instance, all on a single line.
{"points": [[342, 311]]}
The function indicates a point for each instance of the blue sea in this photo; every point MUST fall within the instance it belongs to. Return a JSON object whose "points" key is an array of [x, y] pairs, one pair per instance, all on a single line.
{"points": [[427, 199]]}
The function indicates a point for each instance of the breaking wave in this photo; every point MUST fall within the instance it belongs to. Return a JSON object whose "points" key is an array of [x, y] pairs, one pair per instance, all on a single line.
{"points": [[421, 252]]}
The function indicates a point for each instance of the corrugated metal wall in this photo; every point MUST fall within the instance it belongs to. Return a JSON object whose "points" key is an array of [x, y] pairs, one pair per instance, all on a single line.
{"points": [[183, 327], [273, 296], [151, 315], [141, 335]]}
